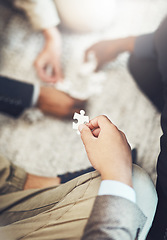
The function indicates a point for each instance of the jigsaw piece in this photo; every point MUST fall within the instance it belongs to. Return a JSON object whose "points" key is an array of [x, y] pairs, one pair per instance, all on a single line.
{"points": [[82, 119]]}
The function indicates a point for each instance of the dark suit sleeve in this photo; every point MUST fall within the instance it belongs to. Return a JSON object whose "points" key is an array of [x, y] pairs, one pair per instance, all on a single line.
{"points": [[144, 47], [15, 96], [114, 218]]}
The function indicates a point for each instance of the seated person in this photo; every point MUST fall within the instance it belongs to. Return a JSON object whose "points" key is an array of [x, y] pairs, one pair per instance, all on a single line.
{"points": [[147, 64], [46, 15], [88, 207]]}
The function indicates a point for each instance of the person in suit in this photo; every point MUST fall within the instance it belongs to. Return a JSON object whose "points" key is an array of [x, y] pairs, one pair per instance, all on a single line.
{"points": [[147, 64], [88, 207], [16, 96]]}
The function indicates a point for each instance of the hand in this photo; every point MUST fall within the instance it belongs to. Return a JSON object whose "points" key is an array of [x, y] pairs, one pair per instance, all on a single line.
{"points": [[48, 62], [108, 50], [107, 149], [58, 103]]}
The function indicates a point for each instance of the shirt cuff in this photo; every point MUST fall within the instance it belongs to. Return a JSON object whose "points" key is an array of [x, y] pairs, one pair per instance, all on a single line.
{"points": [[115, 188], [35, 94], [144, 47]]}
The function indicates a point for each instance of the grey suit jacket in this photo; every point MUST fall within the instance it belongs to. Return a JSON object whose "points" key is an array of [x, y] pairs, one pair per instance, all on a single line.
{"points": [[114, 218]]}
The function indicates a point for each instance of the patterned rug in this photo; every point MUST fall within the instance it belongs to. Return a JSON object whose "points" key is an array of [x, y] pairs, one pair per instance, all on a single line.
{"points": [[45, 145]]}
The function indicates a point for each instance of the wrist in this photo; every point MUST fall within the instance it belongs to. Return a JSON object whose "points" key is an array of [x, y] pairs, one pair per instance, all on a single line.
{"points": [[127, 44], [51, 33], [120, 176]]}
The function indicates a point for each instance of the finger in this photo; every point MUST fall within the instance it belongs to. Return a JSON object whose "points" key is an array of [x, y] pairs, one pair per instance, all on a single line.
{"points": [[42, 72], [86, 56], [57, 72], [99, 122], [86, 134], [96, 132], [43, 76]]}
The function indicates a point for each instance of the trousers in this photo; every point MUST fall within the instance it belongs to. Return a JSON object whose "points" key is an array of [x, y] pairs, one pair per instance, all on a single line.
{"points": [[60, 212]]}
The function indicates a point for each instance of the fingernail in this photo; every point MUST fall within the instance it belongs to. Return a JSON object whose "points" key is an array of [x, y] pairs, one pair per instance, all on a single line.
{"points": [[81, 126]]}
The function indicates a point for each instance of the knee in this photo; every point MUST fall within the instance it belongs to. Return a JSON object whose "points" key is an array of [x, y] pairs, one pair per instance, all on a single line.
{"points": [[143, 186], [146, 196]]}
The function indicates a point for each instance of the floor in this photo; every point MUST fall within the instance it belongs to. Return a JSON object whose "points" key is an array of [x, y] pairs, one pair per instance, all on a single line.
{"points": [[45, 145]]}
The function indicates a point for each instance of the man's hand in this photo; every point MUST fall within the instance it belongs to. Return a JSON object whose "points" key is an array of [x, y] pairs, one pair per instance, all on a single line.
{"points": [[58, 103], [48, 62], [107, 149], [108, 50]]}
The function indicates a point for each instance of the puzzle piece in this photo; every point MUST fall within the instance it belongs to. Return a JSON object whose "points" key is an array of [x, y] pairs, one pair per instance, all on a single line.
{"points": [[81, 120]]}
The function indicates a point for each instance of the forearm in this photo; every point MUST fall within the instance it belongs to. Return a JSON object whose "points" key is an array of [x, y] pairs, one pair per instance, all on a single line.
{"points": [[51, 33], [127, 44]]}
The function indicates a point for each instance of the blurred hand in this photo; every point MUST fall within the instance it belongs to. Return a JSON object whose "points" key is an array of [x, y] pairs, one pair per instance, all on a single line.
{"points": [[48, 62], [107, 149], [58, 103], [108, 50]]}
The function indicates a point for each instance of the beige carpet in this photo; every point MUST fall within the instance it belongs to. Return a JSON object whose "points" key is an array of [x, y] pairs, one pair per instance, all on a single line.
{"points": [[47, 146]]}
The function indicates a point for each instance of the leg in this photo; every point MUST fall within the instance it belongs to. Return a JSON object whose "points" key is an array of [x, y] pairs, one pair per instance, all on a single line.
{"points": [[146, 74], [54, 213], [72, 204]]}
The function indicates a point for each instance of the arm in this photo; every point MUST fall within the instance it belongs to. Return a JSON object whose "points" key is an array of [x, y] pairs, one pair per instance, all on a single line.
{"points": [[44, 17], [114, 218], [110, 154], [16, 96], [107, 50], [48, 62]]}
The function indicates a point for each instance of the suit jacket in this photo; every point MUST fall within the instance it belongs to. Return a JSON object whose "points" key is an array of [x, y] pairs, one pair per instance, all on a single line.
{"points": [[111, 218], [15, 96], [114, 218], [153, 47]]}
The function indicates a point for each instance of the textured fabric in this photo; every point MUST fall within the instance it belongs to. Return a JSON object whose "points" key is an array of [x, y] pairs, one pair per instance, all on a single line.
{"points": [[55, 213], [42, 13], [12, 178], [61, 212], [15, 96]]}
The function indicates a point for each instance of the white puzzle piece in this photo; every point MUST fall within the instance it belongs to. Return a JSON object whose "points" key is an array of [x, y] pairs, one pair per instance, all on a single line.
{"points": [[82, 119]]}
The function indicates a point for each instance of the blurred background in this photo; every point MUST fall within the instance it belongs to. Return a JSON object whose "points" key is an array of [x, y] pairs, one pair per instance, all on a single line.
{"points": [[48, 146]]}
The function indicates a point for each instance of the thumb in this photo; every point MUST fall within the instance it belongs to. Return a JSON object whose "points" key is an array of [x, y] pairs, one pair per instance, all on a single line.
{"points": [[86, 134]]}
